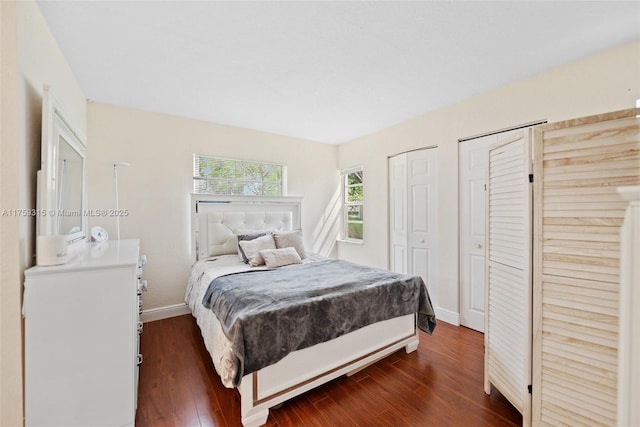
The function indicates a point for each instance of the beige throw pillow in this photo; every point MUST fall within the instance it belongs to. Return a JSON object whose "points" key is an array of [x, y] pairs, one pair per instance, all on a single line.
{"points": [[280, 257], [253, 247], [249, 236], [290, 239]]}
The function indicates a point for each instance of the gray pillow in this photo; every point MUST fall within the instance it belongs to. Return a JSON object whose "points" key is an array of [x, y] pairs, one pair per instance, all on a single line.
{"points": [[253, 247], [245, 237]]}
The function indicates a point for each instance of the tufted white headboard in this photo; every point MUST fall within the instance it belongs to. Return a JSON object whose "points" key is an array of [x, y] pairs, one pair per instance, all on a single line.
{"points": [[215, 220]]}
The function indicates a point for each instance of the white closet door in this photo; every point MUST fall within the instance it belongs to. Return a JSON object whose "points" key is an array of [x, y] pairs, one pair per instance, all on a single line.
{"points": [[413, 214], [398, 213], [508, 319], [422, 183], [473, 177]]}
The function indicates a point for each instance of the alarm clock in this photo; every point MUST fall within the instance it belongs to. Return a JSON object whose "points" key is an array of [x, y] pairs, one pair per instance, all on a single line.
{"points": [[99, 234]]}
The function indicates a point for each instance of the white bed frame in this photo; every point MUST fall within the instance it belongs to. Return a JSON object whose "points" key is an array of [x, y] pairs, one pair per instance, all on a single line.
{"points": [[213, 218]]}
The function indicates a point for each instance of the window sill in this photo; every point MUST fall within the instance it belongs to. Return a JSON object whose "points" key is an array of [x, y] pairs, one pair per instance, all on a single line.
{"points": [[352, 241]]}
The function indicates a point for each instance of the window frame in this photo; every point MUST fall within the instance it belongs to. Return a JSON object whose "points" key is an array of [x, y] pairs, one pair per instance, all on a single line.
{"points": [[198, 177], [346, 204]]}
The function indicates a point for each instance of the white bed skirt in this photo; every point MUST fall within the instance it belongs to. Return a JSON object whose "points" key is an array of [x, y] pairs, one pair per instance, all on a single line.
{"points": [[305, 369]]}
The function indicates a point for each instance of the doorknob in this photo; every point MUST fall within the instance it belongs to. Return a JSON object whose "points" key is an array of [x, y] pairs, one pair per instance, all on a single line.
{"points": [[478, 246]]}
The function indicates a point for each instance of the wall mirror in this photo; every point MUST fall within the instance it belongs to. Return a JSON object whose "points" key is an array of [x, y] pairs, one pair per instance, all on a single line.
{"points": [[61, 179]]}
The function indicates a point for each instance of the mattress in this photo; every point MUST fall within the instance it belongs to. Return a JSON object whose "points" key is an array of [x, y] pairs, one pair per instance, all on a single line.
{"points": [[216, 343]]}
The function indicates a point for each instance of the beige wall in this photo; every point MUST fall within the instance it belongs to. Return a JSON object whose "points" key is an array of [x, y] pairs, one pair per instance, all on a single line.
{"points": [[156, 187], [30, 59], [10, 325], [604, 82]]}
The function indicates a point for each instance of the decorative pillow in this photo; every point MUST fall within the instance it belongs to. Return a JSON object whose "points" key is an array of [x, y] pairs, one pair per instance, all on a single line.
{"points": [[280, 257], [290, 239], [249, 236], [253, 247]]}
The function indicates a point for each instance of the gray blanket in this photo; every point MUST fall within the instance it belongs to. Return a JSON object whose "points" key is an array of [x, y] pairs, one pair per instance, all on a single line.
{"points": [[266, 314]]}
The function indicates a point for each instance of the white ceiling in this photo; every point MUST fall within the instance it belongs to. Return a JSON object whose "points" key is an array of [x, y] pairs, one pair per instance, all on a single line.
{"points": [[325, 71]]}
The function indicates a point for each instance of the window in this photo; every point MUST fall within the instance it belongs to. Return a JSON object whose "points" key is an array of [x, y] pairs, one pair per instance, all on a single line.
{"points": [[214, 175], [352, 203]]}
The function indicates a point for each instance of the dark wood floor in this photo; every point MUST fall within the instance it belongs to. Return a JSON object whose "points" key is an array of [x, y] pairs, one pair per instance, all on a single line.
{"points": [[438, 385]]}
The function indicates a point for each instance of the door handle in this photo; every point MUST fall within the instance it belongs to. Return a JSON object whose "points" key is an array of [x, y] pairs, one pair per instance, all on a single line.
{"points": [[478, 246]]}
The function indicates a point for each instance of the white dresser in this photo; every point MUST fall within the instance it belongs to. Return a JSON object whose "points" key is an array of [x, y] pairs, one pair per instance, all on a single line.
{"points": [[82, 326]]}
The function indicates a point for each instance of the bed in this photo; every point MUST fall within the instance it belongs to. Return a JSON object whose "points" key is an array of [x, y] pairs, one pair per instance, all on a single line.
{"points": [[266, 379]]}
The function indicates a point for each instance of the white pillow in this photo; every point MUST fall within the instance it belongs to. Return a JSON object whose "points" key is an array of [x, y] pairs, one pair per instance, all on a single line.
{"points": [[280, 257], [286, 239], [249, 236], [253, 247]]}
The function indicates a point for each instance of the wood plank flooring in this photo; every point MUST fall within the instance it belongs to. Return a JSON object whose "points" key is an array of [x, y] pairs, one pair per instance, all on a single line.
{"points": [[440, 384]]}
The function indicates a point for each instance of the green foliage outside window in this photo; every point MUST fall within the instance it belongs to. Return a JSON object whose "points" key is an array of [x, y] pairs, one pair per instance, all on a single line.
{"points": [[354, 187], [236, 177], [353, 204]]}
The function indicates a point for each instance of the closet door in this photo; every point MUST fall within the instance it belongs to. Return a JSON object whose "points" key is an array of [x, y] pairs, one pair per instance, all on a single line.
{"points": [[398, 213], [422, 194], [508, 272], [413, 214], [578, 166], [473, 161]]}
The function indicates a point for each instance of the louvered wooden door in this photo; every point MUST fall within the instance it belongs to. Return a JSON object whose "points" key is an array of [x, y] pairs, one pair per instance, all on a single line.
{"points": [[578, 166], [508, 272]]}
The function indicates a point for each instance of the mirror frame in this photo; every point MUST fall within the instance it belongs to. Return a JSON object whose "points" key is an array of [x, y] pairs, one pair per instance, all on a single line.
{"points": [[55, 126]]}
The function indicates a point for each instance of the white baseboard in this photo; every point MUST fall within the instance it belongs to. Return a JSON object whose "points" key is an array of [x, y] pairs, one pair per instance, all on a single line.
{"points": [[165, 312], [448, 316]]}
